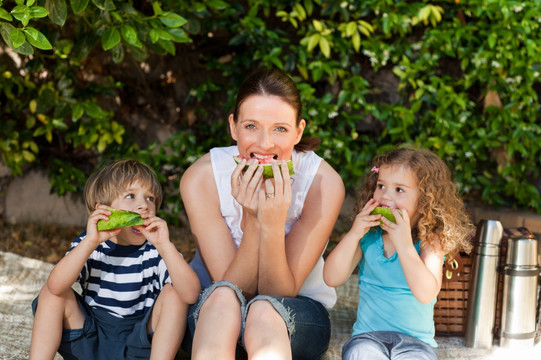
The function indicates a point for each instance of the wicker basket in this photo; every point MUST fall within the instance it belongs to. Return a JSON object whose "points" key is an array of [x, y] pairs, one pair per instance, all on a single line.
{"points": [[450, 311]]}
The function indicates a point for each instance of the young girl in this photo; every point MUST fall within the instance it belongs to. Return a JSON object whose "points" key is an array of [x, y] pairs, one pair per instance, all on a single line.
{"points": [[400, 264]]}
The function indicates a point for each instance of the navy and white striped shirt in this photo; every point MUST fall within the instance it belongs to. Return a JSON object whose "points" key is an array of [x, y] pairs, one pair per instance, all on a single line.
{"points": [[123, 280]]}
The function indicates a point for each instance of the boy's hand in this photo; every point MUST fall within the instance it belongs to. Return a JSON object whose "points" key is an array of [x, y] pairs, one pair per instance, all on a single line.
{"points": [[155, 230], [364, 221], [102, 212]]}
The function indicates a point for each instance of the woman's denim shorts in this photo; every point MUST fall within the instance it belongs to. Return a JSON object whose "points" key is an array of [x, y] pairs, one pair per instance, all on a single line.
{"points": [[307, 320]]}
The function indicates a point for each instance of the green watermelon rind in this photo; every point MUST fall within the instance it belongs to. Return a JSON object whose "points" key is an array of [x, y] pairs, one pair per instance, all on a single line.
{"points": [[384, 211], [267, 168], [119, 219]]}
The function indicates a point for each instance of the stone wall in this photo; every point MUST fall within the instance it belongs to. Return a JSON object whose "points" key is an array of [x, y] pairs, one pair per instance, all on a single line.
{"points": [[28, 199]]}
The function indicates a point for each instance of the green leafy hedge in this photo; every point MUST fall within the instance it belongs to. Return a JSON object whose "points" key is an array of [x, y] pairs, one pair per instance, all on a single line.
{"points": [[458, 77]]}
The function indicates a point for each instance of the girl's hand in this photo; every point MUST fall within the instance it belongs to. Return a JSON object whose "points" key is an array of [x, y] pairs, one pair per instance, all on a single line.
{"points": [[274, 199], [155, 230], [245, 185], [364, 221], [102, 212], [399, 233]]}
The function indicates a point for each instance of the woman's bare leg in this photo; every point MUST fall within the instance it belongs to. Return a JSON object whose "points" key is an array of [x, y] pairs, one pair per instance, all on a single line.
{"points": [[266, 335], [218, 326]]}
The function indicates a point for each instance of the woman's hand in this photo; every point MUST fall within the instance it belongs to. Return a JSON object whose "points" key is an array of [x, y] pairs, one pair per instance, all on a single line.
{"points": [[274, 199], [102, 212], [245, 185]]}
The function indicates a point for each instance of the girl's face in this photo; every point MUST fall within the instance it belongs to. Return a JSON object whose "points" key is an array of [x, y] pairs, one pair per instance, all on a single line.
{"points": [[397, 188], [139, 199], [265, 128]]}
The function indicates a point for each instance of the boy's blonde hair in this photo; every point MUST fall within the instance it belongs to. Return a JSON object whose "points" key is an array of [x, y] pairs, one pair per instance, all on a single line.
{"points": [[442, 212], [108, 183]]}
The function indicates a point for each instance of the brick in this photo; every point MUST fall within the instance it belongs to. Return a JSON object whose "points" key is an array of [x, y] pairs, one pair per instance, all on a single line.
{"points": [[512, 219], [533, 223], [484, 214]]}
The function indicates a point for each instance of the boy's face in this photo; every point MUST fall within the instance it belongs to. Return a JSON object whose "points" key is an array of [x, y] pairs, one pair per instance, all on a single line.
{"points": [[139, 199]]}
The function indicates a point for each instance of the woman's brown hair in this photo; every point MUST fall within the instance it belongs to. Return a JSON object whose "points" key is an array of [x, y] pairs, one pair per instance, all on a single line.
{"points": [[277, 83]]}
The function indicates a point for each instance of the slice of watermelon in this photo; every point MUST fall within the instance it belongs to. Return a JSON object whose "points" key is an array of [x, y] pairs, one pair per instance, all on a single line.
{"points": [[267, 168], [120, 219], [385, 212]]}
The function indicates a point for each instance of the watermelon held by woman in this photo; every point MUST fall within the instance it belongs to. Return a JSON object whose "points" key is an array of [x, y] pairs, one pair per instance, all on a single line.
{"points": [[267, 166], [385, 212], [120, 219]]}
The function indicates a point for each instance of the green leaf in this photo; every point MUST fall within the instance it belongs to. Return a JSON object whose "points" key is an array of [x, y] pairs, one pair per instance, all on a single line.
{"points": [[313, 41], [356, 40], [105, 5], [38, 12], [179, 35], [40, 41], [5, 15], [217, 4], [325, 47], [172, 20], [17, 37], [117, 53], [21, 13], [32, 32], [46, 101], [156, 7], [78, 6], [25, 49], [59, 124], [130, 35], [351, 28], [317, 25], [77, 112], [110, 38], [58, 10], [168, 46]]}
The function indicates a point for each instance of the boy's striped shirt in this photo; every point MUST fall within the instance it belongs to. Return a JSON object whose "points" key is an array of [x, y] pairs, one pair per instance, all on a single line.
{"points": [[124, 280]]}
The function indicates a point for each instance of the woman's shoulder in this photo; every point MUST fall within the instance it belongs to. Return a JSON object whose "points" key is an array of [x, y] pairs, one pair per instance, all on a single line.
{"points": [[329, 176], [199, 171]]}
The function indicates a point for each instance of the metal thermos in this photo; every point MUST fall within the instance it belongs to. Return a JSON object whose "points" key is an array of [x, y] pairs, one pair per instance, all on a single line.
{"points": [[520, 279], [483, 289]]}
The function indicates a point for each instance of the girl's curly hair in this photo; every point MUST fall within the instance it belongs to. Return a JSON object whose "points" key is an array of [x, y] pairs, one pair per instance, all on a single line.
{"points": [[442, 212]]}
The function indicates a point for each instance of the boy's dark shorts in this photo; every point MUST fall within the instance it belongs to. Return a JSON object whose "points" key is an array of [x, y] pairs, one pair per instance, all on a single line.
{"points": [[105, 336]]}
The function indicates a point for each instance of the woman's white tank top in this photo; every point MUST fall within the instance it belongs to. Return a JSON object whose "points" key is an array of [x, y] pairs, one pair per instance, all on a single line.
{"points": [[306, 165]]}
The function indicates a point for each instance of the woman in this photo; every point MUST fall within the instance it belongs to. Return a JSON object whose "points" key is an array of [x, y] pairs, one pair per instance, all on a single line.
{"points": [[260, 241]]}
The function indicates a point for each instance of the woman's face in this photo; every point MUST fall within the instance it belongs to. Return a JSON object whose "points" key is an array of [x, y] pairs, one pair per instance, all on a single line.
{"points": [[266, 128]]}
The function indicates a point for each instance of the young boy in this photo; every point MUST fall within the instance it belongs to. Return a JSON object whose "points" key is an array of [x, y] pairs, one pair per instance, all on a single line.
{"points": [[136, 285]]}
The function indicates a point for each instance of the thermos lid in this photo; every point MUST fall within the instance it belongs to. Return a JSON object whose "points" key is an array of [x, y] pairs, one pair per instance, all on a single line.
{"points": [[521, 252], [489, 232]]}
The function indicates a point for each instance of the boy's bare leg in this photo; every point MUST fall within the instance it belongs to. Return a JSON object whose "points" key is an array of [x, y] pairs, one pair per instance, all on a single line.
{"points": [[168, 322], [266, 336], [53, 314], [218, 326]]}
